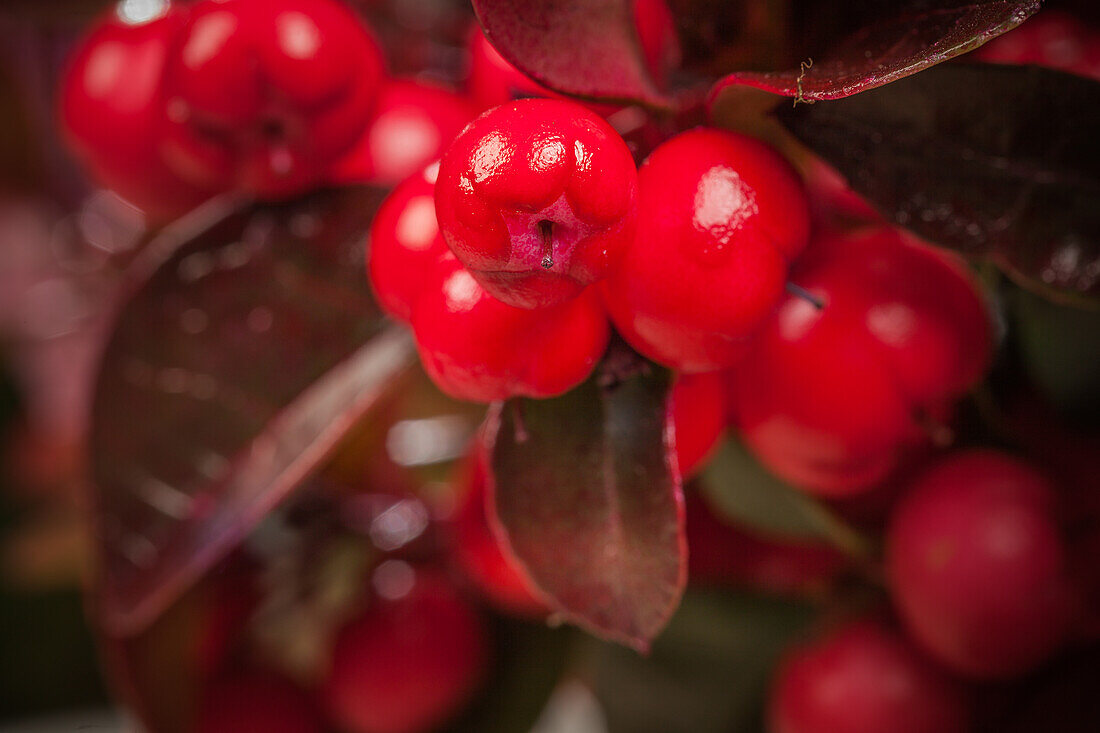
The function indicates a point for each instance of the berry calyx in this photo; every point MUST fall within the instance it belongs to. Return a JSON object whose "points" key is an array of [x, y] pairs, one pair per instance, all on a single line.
{"points": [[832, 398], [537, 198], [977, 565], [262, 93], [720, 217], [406, 664], [476, 348], [864, 678]]}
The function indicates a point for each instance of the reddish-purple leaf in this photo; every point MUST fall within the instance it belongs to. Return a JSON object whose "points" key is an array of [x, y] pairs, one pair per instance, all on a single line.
{"points": [[248, 346], [585, 48], [922, 34], [588, 504], [994, 161]]}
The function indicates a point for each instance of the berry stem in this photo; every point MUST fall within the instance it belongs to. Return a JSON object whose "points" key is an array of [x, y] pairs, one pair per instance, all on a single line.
{"points": [[800, 292]]}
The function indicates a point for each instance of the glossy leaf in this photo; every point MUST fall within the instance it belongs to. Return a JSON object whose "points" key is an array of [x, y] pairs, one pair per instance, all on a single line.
{"points": [[708, 672], [921, 33], [990, 160], [585, 48], [739, 487], [590, 507], [248, 346]]}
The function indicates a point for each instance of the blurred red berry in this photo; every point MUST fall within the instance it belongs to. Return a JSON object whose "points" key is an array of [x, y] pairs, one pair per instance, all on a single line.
{"points": [[407, 664], [413, 124], [697, 416], [405, 244], [864, 678], [832, 397], [977, 565], [262, 94], [112, 108]]}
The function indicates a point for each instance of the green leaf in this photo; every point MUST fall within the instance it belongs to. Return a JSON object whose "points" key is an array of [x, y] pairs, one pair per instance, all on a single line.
{"points": [[745, 491], [707, 673], [994, 161], [590, 506]]}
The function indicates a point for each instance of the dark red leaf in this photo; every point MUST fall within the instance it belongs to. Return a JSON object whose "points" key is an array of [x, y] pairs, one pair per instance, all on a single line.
{"points": [[249, 345], [994, 161], [590, 507], [585, 48], [922, 34]]}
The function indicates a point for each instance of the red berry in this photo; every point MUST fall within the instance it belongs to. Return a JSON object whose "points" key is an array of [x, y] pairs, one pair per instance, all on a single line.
{"points": [[405, 243], [260, 701], [976, 565], [112, 108], [476, 348], [720, 216], [537, 198], [413, 124], [263, 93], [720, 553], [1052, 39], [487, 564], [863, 678], [406, 665], [697, 418], [832, 396]]}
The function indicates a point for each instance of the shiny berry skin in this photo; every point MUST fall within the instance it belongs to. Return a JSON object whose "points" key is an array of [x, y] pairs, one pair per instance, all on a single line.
{"points": [[723, 554], [405, 244], [832, 398], [1049, 38], [112, 109], [476, 348], [864, 678], [256, 700], [488, 564], [409, 664], [977, 565], [537, 198], [697, 418], [413, 124], [262, 92], [720, 216]]}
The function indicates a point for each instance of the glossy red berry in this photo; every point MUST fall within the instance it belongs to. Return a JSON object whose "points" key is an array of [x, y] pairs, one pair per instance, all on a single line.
{"points": [[831, 397], [256, 701], [263, 93], [537, 198], [977, 565], [488, 565], [697, 418], [112, 107], [413, 124], [476, 348], [721, 553], [407, 664], [405, 244], [720, 217], [864, 678]]}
